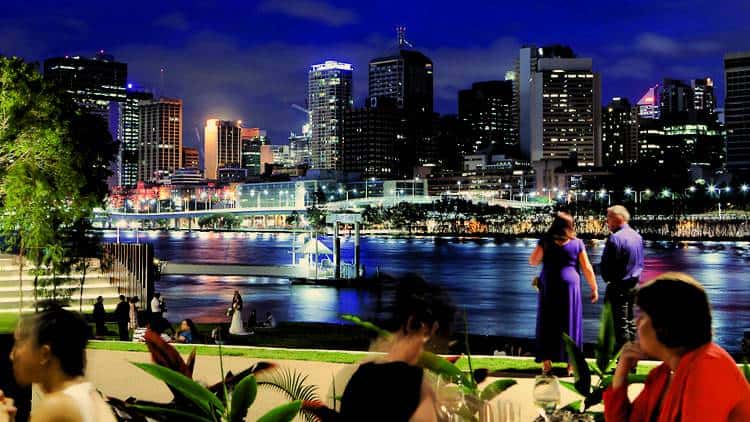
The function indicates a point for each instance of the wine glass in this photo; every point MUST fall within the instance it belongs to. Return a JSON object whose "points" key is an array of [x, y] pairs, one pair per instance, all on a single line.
{"points": [[547, 393], [449, 399]]}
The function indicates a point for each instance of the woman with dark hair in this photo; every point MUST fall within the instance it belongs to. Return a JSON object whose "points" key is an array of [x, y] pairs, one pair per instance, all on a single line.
{"points": [[188, 332], [560, 309], [50, 350], [697, 380], [393, 388]]}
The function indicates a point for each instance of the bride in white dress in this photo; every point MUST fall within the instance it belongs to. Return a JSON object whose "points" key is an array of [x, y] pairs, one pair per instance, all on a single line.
{"points": [[237, 328]]}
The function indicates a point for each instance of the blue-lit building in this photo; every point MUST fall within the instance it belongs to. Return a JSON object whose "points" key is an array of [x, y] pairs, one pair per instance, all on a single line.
{"points": [[329, 95]]}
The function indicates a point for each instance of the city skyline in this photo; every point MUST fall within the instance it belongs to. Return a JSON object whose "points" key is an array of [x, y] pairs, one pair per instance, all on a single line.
{"points": [[263, 69]]}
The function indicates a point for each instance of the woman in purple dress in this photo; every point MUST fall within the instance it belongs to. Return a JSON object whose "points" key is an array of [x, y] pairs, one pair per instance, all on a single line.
{"points": [[561, 254]]}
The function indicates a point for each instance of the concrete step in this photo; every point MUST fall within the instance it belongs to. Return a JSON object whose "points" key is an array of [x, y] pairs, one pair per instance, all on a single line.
{"points": [[28, 291], [88, 301], [29, 281]]}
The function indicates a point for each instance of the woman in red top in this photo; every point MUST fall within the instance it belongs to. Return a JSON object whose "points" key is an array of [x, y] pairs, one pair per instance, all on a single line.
{"points": [[697, 381]]}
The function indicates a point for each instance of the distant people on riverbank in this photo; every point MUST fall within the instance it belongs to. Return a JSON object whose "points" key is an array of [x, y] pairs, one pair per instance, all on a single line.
{"points": [[100, 316], [133, 314], [155, 309], [392, 387], [50, 351], [697, 380], [270, 321], [560, 308], [621, 267], [252, 320], [236, 327], [188, 332], [122, 316]]}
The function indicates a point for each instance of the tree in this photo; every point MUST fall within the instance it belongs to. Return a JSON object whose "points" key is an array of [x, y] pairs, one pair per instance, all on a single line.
{"points": [[54, 161]]}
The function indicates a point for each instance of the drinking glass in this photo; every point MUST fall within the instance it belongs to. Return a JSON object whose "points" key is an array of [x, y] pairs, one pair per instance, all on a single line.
{"points": [[449, 398], [547, 393], [508, 411]]}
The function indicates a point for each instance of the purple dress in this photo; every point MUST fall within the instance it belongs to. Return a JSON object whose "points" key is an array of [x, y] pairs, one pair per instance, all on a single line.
{"points": [[560, 309]]}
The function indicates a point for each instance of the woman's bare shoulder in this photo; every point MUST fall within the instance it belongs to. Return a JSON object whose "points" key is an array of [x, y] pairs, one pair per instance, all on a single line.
{"points": [[56, 407]]}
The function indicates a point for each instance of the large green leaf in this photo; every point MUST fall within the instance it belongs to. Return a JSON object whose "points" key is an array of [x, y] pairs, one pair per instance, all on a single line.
{"points": [[196, 393], [746, 371], [632, 379], [242, 398], [447, 370], [366, 324], [570, 386], [496, 387], [580, 367], [171, 413], [613, 363], [293, 384], [283, 413], [606, 340]]}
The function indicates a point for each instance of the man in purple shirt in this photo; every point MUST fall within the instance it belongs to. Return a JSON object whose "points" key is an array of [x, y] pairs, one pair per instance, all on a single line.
{"points": [[621, 267]]}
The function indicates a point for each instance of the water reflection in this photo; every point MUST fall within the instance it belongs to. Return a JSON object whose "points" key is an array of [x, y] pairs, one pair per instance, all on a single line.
{"points": [[488, 278]]}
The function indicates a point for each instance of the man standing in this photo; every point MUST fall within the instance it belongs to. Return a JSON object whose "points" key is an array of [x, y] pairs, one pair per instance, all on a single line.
{"points": [[621, 267], [122, 315], [156, 307], [99, 316]]}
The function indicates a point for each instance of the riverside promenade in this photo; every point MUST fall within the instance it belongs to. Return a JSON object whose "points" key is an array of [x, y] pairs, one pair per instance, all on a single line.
{"points": [[113, 374]]}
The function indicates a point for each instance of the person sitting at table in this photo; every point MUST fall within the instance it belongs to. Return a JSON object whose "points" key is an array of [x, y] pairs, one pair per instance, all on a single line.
{"points": [[188, 332], [270, 322], [393, 387], [697, 380]]}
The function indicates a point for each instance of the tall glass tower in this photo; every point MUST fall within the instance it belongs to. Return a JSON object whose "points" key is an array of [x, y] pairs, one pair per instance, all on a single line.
{"points": [[329, 95]]}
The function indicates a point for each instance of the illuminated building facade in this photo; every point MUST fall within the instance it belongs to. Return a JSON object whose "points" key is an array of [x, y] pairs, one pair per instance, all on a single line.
{"points": [[129, 133], [648, 105], [252, 140], [190, 158], [329, 95], [619, 133], [222, 146], [486, 111], [737, 112], [370, 137], [160, 144]]}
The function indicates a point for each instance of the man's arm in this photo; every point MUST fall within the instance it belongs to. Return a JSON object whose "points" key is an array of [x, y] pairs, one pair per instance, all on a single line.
{"points": [[608, 265]]}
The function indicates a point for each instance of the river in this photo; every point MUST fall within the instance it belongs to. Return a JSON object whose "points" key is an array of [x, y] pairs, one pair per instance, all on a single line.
{"points": [[488, 278]]}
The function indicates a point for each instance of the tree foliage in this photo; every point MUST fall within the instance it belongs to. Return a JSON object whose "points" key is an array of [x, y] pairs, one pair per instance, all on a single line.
{"points": [[54, 161]]}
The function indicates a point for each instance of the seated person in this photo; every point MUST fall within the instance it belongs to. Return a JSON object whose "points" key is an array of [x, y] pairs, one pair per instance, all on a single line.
{"points": [[252, 321], [697, 380], [188, 332], [393, 388], [270, 322]]}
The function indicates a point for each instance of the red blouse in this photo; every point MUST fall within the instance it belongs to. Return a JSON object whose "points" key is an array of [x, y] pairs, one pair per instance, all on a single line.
{"points": [[707, 386]]}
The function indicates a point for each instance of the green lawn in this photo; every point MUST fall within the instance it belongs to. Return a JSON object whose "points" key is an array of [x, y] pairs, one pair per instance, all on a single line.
{"points": [[8, 322]]}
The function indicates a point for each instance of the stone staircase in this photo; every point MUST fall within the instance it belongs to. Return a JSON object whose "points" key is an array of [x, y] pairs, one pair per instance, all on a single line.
{"points": [[96, 284]]}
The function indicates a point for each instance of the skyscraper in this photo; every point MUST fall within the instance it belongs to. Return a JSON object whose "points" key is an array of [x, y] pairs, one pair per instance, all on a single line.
{"points": [[92, 83], [737, 112], [676, 100], [704, 100], [407, 78], [190, 158], [486, 111], [370, 136], [299, 146], [565, 112], [222, 146], [619, 133], [252, 139], [129, 134], [648, 105], [160, 144], [329, 95]]}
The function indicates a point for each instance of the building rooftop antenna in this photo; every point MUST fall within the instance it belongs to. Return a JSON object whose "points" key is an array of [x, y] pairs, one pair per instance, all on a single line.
{"points": [[402, 41]]}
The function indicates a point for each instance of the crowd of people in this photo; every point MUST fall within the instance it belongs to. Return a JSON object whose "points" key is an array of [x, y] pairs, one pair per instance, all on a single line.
{"points": [[667, 319]]}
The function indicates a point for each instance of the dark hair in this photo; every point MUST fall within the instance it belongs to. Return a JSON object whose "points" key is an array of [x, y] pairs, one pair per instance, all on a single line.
{"points": [[191, 326], [417, 303], [122, 297], [678, 308], [66, 333], [561, 229]]}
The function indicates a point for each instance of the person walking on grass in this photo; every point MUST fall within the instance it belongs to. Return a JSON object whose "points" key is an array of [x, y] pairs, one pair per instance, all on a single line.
{"points": [[621, 268], [122, 316], [99, 316]]}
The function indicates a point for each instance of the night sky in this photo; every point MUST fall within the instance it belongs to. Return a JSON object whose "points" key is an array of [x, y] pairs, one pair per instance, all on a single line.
{"points": [[248, 59]]}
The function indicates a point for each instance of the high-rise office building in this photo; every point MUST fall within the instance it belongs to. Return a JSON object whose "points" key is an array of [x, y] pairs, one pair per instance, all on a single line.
{"points": [[329, 95], [222, 146], [619, 133], [370, 136], [252, 139], [525, 70], [676, 100], [190, 158], [93, 83], [129, 134], [704, 100], [299, 146], [648, 105], [160, 144], [486, 111], [407, 78], [737, 112], [565, 112]]}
